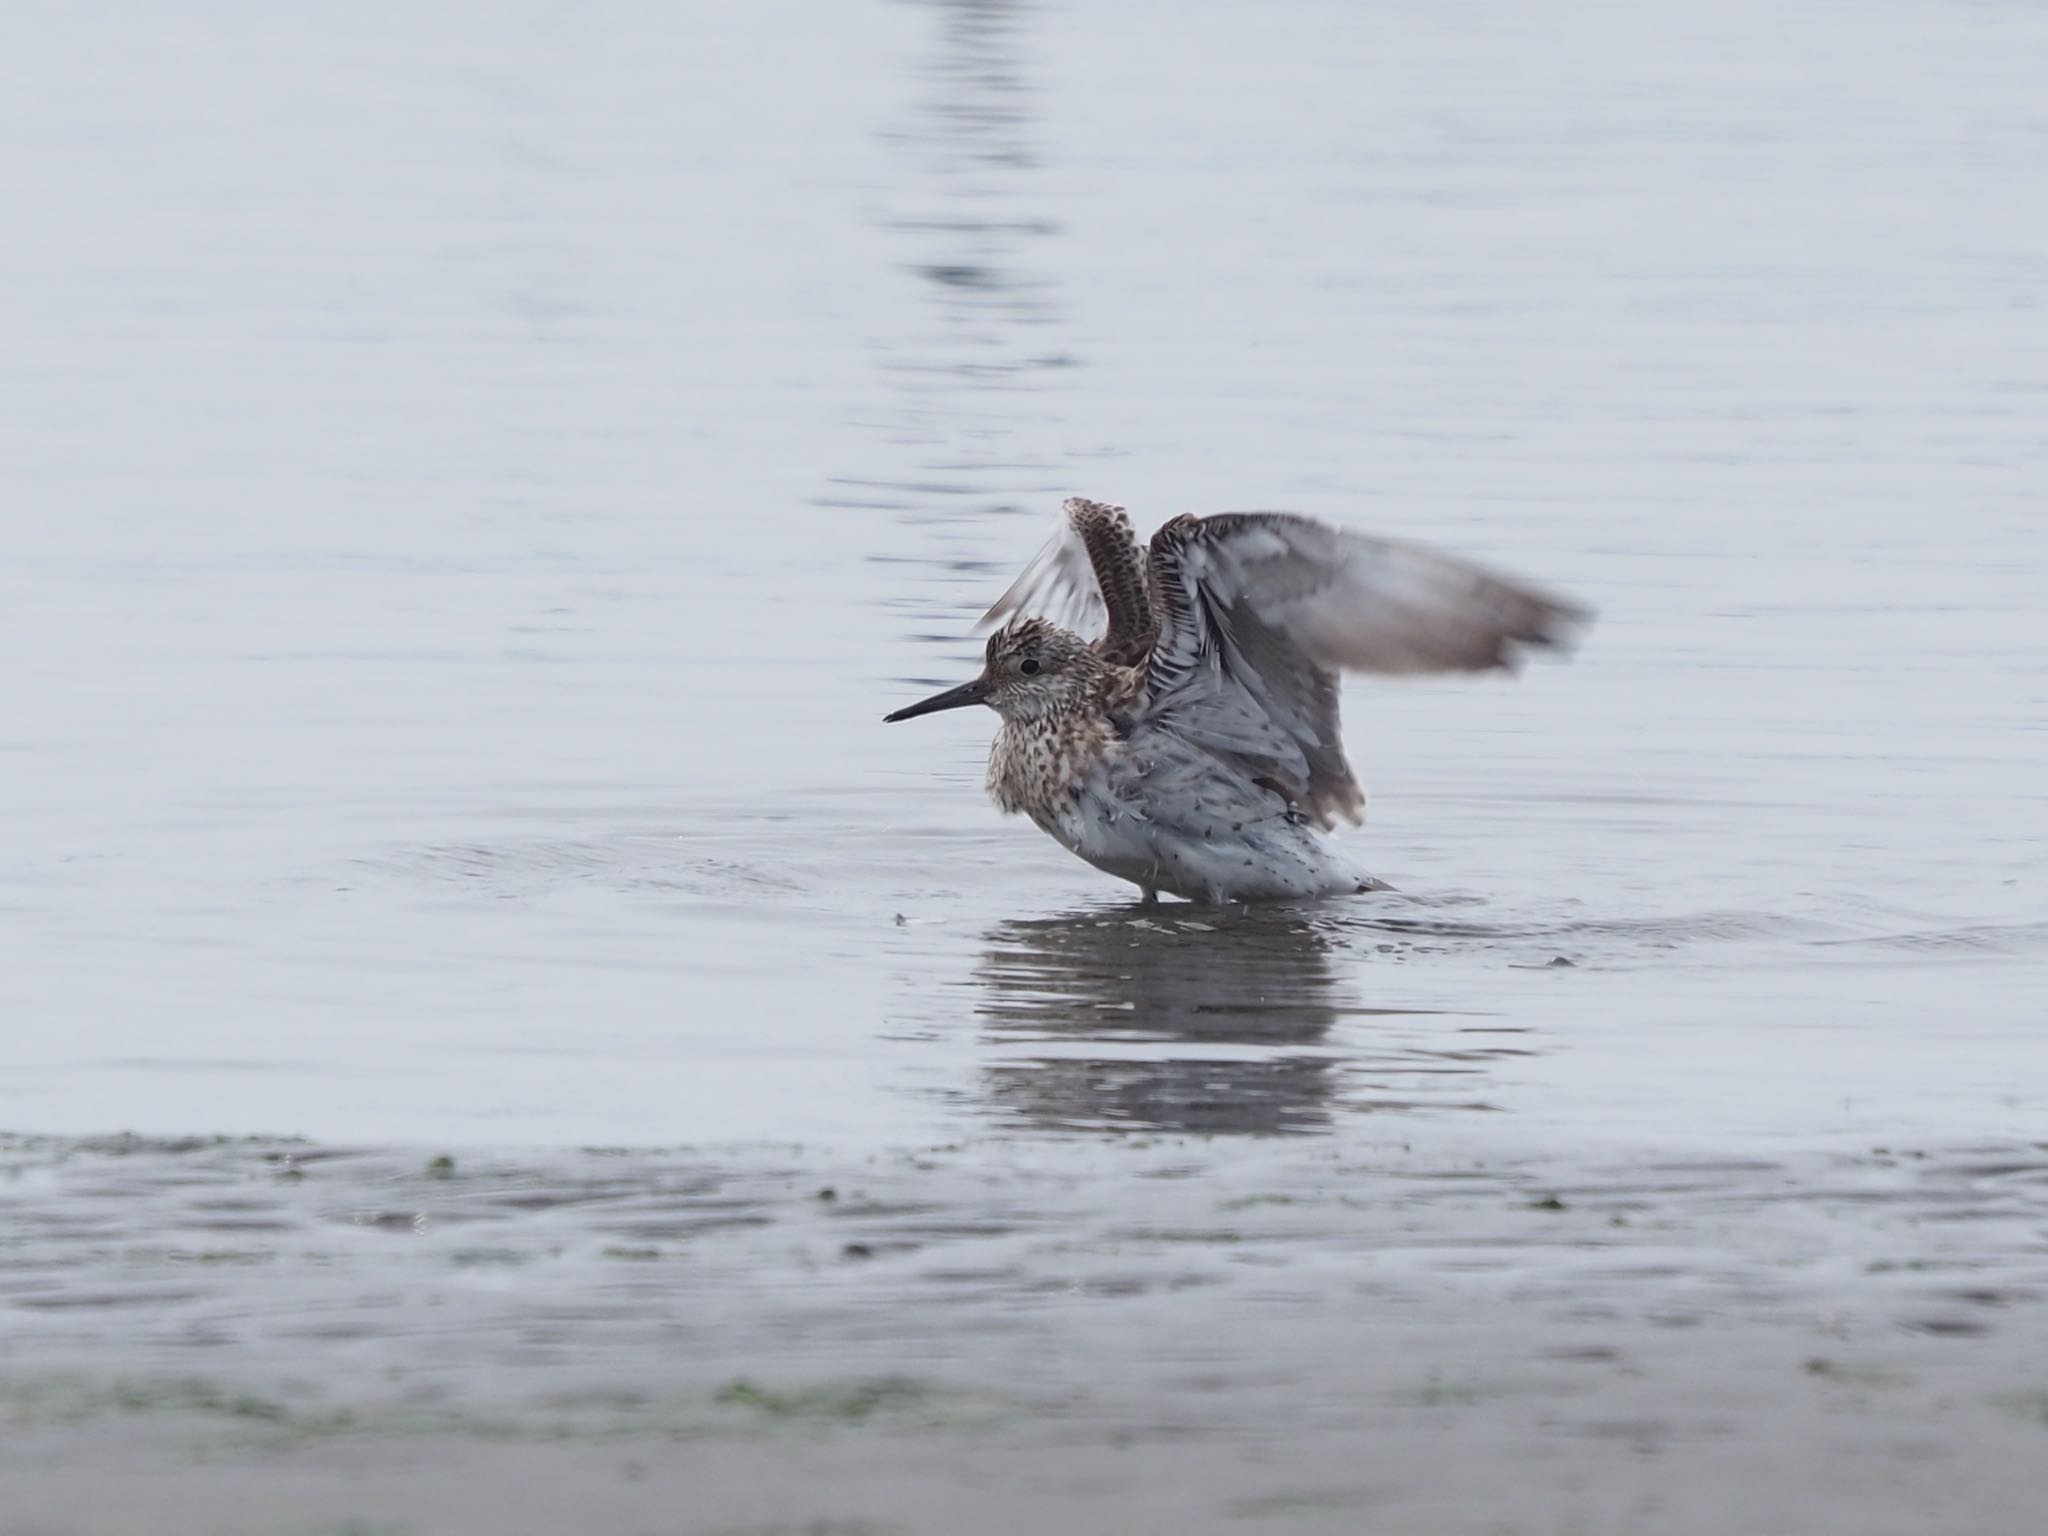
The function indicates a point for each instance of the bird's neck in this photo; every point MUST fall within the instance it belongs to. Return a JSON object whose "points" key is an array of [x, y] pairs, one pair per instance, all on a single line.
{"points": [[1038, 762]]}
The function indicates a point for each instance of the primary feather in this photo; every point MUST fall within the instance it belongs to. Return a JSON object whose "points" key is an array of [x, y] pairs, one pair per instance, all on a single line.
{"points": [[1260, 611]]}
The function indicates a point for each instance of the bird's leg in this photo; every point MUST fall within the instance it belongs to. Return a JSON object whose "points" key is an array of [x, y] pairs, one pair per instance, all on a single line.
{"points": [[1149, 898]]}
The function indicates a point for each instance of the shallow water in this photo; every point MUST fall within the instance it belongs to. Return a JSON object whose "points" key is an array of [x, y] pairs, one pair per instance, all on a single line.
{"points": [[473, 503], [474, 490]]}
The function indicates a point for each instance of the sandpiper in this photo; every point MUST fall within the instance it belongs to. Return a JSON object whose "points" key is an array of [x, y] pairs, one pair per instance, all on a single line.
{"points": [[1193, 747]]}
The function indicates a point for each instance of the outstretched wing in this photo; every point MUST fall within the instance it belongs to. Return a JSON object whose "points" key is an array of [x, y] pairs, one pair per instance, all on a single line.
{"points": [[1092, 570], [1260, 611]]}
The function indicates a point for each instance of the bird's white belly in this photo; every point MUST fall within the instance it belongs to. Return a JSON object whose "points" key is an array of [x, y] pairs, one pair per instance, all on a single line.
{"points": [[1200, 856]]}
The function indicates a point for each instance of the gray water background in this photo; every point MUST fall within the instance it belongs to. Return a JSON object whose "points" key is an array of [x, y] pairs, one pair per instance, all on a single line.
{"points": [[475, 476]]}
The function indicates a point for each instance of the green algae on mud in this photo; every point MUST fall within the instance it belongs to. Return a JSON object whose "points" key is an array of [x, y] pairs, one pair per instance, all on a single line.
{"points": [[76, 1398], [844, 1402]]}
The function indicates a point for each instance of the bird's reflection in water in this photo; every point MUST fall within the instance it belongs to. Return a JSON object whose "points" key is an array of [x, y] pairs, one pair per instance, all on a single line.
{"points": [[1250, 995]]}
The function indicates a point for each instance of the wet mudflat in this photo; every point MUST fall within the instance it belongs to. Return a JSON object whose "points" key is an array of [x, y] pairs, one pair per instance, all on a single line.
{"points": [[498, 1036], [1458, 1332]]}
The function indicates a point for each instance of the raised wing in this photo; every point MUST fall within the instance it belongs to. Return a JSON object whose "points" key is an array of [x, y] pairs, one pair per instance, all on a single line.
{"points": [[1092, 571], [1259, 612]]}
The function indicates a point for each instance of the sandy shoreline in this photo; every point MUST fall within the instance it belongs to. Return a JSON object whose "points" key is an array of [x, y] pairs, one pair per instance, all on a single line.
{"points": [[1170, 1334], [1819, 1460]]}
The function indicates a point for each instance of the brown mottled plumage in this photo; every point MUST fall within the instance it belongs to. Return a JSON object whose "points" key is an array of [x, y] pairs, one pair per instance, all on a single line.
{"points": [[1195, 746], [1057, 719]]}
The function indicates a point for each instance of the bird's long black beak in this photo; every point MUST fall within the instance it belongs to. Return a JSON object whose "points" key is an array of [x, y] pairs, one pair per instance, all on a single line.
{"points": [[975, 692]]}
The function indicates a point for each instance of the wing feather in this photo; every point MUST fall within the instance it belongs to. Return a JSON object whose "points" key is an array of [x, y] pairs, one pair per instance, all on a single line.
{"points": [[1090, 577], [1260, 611]]}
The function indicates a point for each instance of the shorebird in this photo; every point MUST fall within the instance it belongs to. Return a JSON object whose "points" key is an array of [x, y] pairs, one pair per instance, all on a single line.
{"points": [[1193, 746]]}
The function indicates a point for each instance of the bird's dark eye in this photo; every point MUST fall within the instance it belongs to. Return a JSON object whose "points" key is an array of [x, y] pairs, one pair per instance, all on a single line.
{"points": [[1028, 666]]}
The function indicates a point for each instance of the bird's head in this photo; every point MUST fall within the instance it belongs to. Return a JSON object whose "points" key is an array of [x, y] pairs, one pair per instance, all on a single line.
{"points": [[1032, 669]]}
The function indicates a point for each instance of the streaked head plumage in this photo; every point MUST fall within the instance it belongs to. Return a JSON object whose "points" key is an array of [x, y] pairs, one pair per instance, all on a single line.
{"points": [[1034, 667], [1031, 669]]}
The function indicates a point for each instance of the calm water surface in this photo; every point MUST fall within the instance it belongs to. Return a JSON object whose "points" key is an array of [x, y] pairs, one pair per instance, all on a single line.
{"points": [[474, 486]]}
